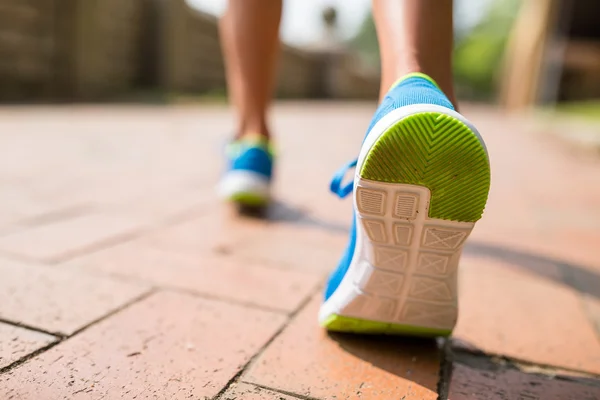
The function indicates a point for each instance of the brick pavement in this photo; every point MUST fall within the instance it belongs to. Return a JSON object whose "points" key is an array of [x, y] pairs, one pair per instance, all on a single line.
{"points": [[124, 278]]}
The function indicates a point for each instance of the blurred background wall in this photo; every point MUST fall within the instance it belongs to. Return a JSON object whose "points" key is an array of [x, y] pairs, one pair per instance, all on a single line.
{"points": [[75, 50], [515, 52]]}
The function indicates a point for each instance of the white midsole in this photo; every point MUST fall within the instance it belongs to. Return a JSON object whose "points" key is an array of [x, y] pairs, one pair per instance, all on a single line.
{"points": [[244, 182], [417, 284]]}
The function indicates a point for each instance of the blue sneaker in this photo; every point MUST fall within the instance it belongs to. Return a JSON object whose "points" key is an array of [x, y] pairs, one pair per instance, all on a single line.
{"points": [[422, 181], [247, 180]]}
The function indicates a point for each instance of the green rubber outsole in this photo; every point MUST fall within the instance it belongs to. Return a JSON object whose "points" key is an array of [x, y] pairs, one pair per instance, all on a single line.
{"points": [[249, 200], [340, 323], [437, 151]]}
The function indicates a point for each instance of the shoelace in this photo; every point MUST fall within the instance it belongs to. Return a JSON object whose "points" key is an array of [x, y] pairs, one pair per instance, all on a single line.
{"points": [[336, 186]]}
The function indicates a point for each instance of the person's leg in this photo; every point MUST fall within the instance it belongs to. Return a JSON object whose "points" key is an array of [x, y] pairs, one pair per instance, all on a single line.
{"points": [[250, 41], [415, 36], [421, 182]]}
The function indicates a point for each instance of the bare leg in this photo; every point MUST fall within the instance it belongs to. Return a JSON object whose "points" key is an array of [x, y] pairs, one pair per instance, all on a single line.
{"points": [[415, 36], [250, 40]]}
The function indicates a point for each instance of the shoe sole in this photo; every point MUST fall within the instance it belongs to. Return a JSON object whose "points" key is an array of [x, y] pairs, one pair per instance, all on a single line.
{"points": [[422, 182], [245, 188]]}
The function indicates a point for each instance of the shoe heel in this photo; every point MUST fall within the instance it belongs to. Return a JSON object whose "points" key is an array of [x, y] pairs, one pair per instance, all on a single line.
{"points": [[420, 188]]}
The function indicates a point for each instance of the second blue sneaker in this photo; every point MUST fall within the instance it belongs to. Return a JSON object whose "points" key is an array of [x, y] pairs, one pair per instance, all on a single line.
{"points": [[249, 172], [421, 182]]}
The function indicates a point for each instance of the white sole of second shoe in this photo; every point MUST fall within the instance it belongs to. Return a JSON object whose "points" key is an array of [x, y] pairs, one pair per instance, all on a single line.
{"points": [[244, 186]]}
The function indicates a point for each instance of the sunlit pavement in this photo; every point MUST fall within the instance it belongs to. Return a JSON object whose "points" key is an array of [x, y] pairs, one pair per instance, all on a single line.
{"points": [[123, 277]]}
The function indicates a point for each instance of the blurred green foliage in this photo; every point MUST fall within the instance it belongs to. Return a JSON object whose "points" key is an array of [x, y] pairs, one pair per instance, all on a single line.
{"points": [[365, 42], [479, 53], [478, 50], [589, 110]]}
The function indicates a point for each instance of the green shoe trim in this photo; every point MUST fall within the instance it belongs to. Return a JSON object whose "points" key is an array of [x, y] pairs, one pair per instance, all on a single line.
{"points": [[437, 151], [339, 323], [237, 146], [415, 75], [249, 199]]}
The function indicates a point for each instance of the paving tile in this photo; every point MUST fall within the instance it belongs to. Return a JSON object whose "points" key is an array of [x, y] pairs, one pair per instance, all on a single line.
{"points": [[58, 301], [217, 231], [564, 253], [507, 311], [507, 384], [521, 258], [65, 238], [283, 238], [583, 253], [306, 193], [16, 343], [17, 205], [592, 307], [165, 202], [307, 361], [295, 246], [168, 346], [222, 276], [104, 188], [244, 391]]}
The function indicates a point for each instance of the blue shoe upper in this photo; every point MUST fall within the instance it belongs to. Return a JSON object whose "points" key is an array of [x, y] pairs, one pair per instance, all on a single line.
{"points": [[409, 91], [252, 156], [413, 89]]}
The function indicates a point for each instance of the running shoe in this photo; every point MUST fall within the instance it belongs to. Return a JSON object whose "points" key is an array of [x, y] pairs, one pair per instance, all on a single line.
{"points": [[421, 182]]}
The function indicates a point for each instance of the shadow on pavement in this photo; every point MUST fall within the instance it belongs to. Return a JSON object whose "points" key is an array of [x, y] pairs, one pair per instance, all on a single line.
{"points": [[406, 357], [578, 277], [281, 212]]}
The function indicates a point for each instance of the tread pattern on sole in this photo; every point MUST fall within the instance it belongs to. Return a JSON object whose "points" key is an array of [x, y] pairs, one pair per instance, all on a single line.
{"points": [[437, 151], [406, 267], [421, 187]]}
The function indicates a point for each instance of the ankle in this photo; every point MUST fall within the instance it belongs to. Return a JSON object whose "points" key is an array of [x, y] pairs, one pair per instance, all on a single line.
{"points": [[444, 83], [258, 129], [258, 135]]}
